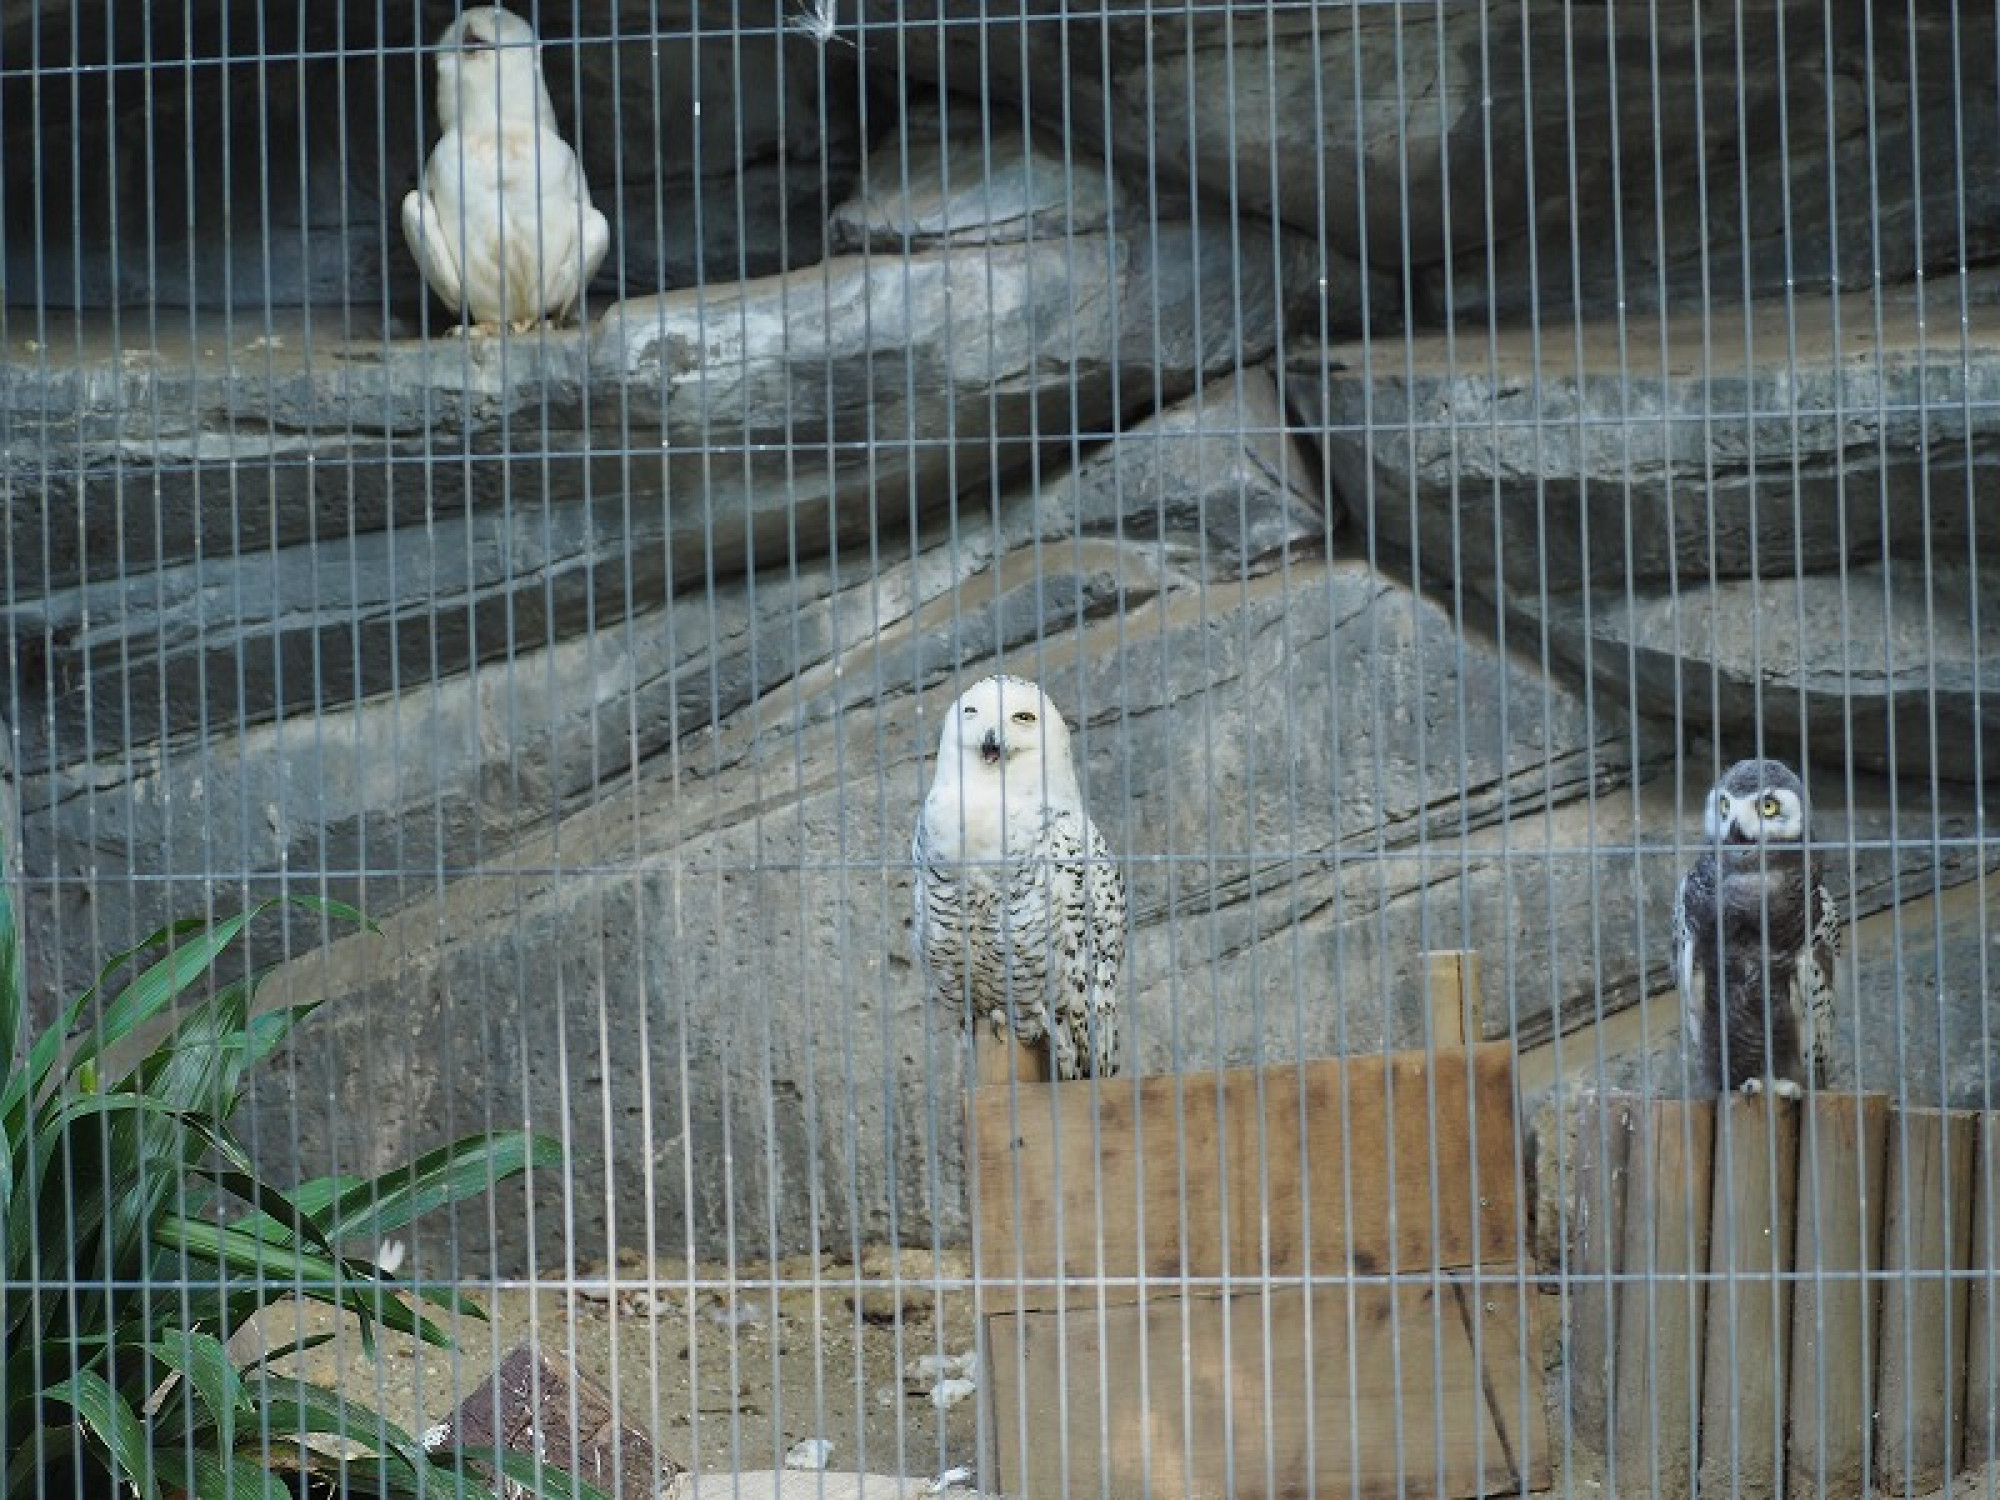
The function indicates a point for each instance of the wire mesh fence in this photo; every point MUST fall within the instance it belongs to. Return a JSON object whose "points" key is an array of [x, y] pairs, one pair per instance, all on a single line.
{"points": [[1459, 955]]}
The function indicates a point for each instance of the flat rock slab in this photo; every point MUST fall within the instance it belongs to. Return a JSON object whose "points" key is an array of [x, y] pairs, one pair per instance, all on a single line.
{"points": [[1785, 438], [542, 1406], [1891, 667], [823, 1484]]}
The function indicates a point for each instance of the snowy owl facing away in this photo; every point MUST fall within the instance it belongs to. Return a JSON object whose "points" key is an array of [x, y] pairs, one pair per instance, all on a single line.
{"points": [[502, 225], [1019, 906], [1755, 938]]}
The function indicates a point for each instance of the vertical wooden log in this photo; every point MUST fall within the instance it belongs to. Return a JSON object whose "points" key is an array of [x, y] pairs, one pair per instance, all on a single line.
{"points": [[997, 1060], [1596, 1136], [1927, 1233], [1451, 986], [1982, 1321], [1748, 1325], [1835, 1309], [1660, 1299]]}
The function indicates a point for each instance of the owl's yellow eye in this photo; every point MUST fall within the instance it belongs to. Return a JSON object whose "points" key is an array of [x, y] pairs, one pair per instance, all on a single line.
{"points": [[1722, 803], [1768, 807], [1024, 716]]}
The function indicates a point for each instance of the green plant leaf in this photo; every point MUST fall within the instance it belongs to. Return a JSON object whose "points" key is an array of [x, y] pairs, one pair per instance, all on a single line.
{"points": [[113, 1424], [538, 1477], [464, 1170], [236, 1477], [296, 1346], [203, 1361], [289, 1271], [27, 1084], [296, 1408]]}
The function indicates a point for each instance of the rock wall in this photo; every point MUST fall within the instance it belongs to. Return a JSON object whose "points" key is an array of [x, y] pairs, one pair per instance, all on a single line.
{"points": [[1274, 386]]}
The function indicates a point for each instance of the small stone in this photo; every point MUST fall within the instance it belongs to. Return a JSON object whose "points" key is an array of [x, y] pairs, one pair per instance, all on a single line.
{"points": [[809, 1453], [948, 1393]]}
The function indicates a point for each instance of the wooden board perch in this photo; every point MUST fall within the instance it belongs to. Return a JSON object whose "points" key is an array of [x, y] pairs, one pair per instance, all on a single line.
{"points": [[1372, 1164], [1279, 1394], [1835, 1308]]}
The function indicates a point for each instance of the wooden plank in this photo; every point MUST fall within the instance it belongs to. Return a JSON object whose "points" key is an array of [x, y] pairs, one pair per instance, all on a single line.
{"points": [[1001, 1060], [1661, 1299], [1843, 1142], [1748, 1327], [1500, 1317], [1596, 1134], [1451, 987], [1927, 1232], [1325, 1168], [1188, 1397], [1982, 1319]]}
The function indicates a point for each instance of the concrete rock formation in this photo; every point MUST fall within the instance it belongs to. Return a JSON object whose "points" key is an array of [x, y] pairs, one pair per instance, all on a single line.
{"points": [[1388, 618]]}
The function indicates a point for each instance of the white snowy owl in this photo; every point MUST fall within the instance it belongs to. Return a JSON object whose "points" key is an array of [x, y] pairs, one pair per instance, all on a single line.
{"points": [[502, 225], [1755, 939], [1020, 909]]}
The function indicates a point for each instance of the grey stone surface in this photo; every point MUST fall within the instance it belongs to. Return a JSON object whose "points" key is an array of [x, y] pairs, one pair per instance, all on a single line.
{"points": [[275, 180], [1243, 110], [1773, 439], [1506, 162], [1713, 152], [383, 763], [790, 415], [980, 183], [1888, 666], [722, 950]]}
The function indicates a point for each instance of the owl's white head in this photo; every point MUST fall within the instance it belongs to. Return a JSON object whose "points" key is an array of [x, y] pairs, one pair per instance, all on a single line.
{"points": [[1757, 802], [1005, 727], [489, 71]]}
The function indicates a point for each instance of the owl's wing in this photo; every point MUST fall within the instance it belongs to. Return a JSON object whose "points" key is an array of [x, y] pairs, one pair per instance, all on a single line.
{"points": [[1812, 999], [936, 899], [1694, 914], [436, 251]]}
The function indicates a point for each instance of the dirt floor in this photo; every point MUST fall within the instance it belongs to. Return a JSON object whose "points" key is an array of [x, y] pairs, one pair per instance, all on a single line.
{"points": [[852, 1356]]}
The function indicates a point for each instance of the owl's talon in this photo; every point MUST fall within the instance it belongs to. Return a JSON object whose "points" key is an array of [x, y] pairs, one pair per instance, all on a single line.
{"points": [[1785, 1088], [1750, 1088]]}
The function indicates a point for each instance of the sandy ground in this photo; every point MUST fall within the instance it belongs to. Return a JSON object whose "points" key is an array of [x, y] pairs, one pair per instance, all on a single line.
{"points": [[724, 1383]]}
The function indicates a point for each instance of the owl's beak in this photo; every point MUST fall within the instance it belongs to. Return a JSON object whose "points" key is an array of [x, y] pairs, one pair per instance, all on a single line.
{"points": [[989, 748]]}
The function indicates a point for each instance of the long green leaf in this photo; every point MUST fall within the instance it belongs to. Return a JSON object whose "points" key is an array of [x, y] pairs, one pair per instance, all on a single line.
{"points": [[162, 983], [13, 1014], [233, 1478], [203, 1361], [295, 1408], [25, 1085], [537, 1477], [303, 1274], [464, 1170], [113, 1423]]}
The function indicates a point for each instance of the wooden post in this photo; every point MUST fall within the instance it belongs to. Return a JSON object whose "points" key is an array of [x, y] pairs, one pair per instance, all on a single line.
{"points": [[1002, 1060], [1597, 1136], [1835, 1308], [1927, 1233], [1661, 1301], [1748, 1330], [996, 1059], [1451, 988], [1982, 1322]]}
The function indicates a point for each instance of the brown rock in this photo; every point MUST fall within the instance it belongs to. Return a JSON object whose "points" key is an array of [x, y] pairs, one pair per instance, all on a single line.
{"points": [[535, 1403]]}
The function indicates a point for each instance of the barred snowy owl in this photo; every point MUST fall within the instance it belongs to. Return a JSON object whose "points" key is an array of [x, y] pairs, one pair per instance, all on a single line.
{"points": [[1019, 906], [502, 225], [1755, 938]]}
